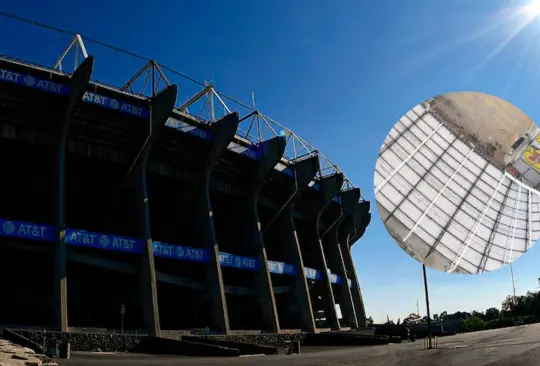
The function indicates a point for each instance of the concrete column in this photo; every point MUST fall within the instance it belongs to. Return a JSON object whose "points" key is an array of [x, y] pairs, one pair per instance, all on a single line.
{"points": [[329, 188], [78, 84], [350, 229], [349, 199], [161, 107], [363, 219], [305, 172], [271, 152], [223, 131]]}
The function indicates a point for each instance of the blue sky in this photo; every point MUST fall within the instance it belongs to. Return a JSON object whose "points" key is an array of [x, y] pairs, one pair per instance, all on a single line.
{"points": [[337, 73]]}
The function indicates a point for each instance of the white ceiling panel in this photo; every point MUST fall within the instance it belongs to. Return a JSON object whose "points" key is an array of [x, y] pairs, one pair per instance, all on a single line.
{"points": [[463, 213]]}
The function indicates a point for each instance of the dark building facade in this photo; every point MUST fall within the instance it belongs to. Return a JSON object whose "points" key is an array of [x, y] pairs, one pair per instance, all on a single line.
{"points": [[113, 200]]}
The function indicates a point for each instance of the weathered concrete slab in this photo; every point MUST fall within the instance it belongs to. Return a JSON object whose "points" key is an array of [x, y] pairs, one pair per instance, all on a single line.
{"points": [[12, 354]]}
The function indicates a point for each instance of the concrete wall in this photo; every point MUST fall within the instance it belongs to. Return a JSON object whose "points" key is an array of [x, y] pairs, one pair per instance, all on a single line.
{"points": [[124, 199]]}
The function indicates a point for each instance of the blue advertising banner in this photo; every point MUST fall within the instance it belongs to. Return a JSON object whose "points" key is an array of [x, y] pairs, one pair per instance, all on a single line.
{"points": [[281, 268], [180, 252], [280, 167], [335, 279], [250, 151], [189, 129], [256, 151], [236, 261], [32, 231], [102, 241], [117, 105], [33, 82], [27, 230], [288, 171], [55, 88], [253, 152], [313, 274]]}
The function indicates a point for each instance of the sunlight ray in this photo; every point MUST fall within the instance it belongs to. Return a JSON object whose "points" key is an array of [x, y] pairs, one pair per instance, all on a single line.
{"points": [[495, 52], [465, 37], [516, 70]]}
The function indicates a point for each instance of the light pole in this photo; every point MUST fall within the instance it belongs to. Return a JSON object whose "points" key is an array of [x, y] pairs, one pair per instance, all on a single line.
{"points": [[427, 306]]}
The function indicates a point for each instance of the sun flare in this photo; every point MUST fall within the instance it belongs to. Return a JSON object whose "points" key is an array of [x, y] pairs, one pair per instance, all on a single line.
{"points": [[531, 10]]}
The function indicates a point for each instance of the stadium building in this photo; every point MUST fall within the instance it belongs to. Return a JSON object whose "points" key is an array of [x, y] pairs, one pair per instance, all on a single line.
{"points": [[122, 209]]}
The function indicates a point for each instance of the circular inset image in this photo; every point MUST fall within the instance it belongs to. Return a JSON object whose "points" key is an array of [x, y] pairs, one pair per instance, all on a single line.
{"points": [[456, 183]]}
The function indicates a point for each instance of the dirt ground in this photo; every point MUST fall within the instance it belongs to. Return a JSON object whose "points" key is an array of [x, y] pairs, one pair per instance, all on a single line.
{"points": [[518, 346], [489, 122]]}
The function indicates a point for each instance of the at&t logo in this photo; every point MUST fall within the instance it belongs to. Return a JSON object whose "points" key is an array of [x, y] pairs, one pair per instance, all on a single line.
{"points": [[114, 103], [180, 252], [29, 81], [104, 241], [8, 227]]}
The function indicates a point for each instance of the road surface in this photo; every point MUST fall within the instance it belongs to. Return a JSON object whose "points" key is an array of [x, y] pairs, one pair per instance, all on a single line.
{"points": [[518, 346]]}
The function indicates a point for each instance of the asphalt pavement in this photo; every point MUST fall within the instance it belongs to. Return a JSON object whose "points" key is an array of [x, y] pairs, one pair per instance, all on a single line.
{"points": [[517, 346]]}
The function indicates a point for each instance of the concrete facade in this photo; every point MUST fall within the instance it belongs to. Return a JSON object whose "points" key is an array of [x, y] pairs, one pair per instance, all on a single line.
{"points": [[304, 211], [78, 83]]}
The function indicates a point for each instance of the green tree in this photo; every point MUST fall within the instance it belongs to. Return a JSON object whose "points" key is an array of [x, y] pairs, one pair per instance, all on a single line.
{"points": [[474, 324], [515, 310], [479, 314], [492, 314], [523, 309], [459, 315]]}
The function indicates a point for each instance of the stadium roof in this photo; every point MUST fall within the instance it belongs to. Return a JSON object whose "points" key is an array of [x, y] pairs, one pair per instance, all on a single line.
{"points": [[446, 204], [205, 105]]}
